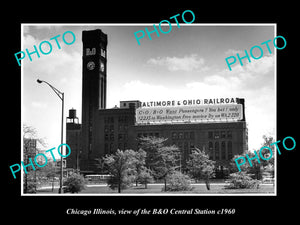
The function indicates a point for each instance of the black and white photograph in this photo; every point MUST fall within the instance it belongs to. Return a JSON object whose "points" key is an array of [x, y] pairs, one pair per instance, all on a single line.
{"points": [[149, 115], [150, 112]]}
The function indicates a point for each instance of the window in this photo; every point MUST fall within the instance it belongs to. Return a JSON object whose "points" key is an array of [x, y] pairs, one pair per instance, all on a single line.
{"points": [[186, 146], [186, 135], [223, 134], [192, 135], [192, 145], [106, 148], [174, 136], [223, 150], [106, 129], [120, 137], [120, 146], [210, 134], [217, 150], [108, 120], [229, 149], [180, 145], [111, 128], [111, 137], [123, 119], [180, 135], [111, 119], [111, 147], [229, 134], [217, 135]]}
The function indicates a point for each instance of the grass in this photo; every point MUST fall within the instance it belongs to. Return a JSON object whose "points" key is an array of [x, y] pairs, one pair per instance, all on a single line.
{"points": [[157, 189]]}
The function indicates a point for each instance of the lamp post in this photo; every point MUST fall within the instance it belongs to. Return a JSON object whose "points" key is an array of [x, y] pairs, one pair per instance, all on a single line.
{"points": [[61, 96]]}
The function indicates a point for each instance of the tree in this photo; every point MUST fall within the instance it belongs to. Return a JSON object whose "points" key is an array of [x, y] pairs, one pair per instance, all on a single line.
{"points": [[144, 176], [30, 150], [258, 168], [166, 162], [121, 167], [178, 182], [161, 159], [200, 166], [268, 140], [150, 145], [74, 183], [254, 170], [242, 180]]}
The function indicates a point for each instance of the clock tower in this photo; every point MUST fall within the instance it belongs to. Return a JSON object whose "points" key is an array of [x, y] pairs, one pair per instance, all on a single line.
{"points": [[93, 86]]}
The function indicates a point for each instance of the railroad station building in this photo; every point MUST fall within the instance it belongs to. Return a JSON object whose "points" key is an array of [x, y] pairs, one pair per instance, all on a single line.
{"points": [[103, 131]]}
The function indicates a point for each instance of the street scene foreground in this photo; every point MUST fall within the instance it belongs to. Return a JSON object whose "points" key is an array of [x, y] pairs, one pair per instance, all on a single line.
{"points": [[199, 188]]}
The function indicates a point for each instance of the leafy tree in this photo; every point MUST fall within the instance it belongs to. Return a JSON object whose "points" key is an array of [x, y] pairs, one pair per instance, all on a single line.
{"points": [[121, 167], [74, 183], [151, 145], [178, 182], [200, 166], [242, 180], [257, 169], [140, 162], [268, 140], [144, 176], [254, 170], [161, 159], [166, 162], [30, 181]]}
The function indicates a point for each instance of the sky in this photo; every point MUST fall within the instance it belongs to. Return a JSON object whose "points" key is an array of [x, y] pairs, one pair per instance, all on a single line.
{"points": [[187, 63]]}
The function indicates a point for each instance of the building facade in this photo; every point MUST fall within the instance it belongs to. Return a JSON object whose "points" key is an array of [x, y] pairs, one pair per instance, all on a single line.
{"points": [[103, 131], [74, 140]]}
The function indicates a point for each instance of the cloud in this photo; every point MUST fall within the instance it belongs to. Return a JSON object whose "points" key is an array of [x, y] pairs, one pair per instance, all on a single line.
{"points": [[254, 82], [231, 52], [187, 63]]}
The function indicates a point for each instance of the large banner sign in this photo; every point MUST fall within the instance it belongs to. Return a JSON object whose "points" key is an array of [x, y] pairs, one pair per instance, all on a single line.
{"points": [[192, 114]]}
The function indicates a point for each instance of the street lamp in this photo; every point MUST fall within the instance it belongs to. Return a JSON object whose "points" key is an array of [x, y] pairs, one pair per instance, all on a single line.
{"points": [[61, 96]]}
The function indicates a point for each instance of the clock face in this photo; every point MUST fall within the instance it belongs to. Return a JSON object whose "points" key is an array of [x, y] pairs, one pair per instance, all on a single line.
{"points": [[101, 66], [90, 65]]}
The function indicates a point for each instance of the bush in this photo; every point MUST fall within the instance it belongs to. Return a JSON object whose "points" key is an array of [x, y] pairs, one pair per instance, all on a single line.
{"points": [[125, 182], [74, 183], [31, 187], [242, 180], [178, 182]]}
